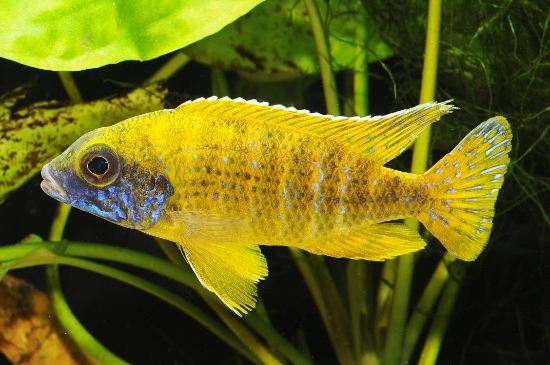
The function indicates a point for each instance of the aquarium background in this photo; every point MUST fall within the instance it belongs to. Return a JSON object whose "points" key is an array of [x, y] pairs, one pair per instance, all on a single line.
{"points": [[502, 311]]}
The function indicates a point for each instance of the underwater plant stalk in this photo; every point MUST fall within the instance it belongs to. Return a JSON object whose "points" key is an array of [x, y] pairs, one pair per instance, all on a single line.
{"points": [[173, 65], [242, 333], [303, 262], [339, 317], [429, 353], [70, 86], [219, 82], [153, 289], [424, 306], [59, 222], [275, 339], [323, 53], [71, 324], [400, 302], [361, 69], [61, 308]]}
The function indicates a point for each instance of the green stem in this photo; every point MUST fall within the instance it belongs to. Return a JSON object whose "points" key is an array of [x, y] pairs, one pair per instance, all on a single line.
{"points": [[59, 222], [60, 306], [361, 69], [323, 53], [173, 65], [437, 331], [69, 322], [400, 305], [148, 287], [246, 336], [356, 286], [302, 261], [275, 339], [340, 335], [219, 82], [425, 305], [70, 86], [399, 309], [109, 253]]}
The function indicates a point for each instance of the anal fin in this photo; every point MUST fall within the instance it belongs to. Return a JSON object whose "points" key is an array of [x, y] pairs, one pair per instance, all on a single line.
{"points": [[217, 250], [375, 242]]}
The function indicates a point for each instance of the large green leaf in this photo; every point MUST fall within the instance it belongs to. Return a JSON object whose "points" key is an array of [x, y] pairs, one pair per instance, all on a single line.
{"points": [[275, 38], [73, 35]]}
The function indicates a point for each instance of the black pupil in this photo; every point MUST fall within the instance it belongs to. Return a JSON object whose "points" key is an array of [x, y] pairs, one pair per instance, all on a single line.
{"points": [[98, 165]]}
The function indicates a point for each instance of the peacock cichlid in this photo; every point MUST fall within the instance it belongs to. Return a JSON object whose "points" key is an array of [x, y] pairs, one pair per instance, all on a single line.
{"points": [[220, 177]]}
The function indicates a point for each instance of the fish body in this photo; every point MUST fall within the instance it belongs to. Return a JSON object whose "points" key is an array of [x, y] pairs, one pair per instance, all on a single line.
{"points": [[220, 177]]}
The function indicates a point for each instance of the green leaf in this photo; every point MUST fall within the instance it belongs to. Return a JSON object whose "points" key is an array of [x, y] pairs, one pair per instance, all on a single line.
{"points": [[275, 39], [72, 35], [8, 265]]}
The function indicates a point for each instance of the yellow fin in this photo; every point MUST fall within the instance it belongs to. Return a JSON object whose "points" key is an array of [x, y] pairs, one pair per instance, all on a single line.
{"points": [[216, 248], [381, 138], [374, 242], [468, 179]]}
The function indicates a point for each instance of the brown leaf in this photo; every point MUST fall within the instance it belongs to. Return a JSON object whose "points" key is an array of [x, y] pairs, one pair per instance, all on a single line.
{"points": [[29, 331]]}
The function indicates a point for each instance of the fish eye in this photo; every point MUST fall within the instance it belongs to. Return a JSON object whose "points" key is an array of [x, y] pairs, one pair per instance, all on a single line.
{"points": [[99, 166]]}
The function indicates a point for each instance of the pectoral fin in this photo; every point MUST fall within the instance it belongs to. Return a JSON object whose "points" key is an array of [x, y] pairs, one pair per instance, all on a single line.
{"points": [[374, 242], [216, 247]]}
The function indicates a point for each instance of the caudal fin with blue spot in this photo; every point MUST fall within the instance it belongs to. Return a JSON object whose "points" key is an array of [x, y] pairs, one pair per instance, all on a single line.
{"points": [[468, 180]]}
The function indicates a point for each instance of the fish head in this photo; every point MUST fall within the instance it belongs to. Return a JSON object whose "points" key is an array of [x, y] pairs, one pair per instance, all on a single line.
{"points": [[99, 175]]}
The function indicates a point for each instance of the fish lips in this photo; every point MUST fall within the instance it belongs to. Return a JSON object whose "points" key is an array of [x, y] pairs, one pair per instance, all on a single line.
{"points": [[51, 187]]}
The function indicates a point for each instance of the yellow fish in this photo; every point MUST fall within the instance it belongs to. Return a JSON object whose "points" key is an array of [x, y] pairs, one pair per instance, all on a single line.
{"points": [[220, 177]]}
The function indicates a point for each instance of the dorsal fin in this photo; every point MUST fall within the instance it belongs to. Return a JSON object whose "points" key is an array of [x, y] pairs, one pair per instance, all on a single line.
{"points": [[382, 138]]}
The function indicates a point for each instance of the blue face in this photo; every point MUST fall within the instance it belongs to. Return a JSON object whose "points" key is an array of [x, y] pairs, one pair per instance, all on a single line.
{"points": [[108, 187]]}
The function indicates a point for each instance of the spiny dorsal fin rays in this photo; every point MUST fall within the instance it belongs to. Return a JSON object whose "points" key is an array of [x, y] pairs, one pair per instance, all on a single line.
{"points": [[382, 138]]}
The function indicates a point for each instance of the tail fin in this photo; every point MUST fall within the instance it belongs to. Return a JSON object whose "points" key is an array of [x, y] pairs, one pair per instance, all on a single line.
{"points": [[468, 179]]}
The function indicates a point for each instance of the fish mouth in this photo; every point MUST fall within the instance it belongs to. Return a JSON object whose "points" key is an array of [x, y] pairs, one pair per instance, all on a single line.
{"points": [[51, 187]]}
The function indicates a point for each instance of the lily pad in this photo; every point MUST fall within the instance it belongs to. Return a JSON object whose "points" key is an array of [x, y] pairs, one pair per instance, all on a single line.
{"points": [[72, 35]]}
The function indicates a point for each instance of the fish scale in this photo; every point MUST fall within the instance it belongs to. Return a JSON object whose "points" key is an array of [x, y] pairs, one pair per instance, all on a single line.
{"points": [[220, 177]]}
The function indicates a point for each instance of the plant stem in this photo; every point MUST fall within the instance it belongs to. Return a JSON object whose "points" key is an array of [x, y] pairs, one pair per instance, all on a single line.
{"points": [[148, 287], [323, 53], [70, 86], [361, 69], [69, 322], [173, 65], [219, 82], [59, 222], [425, 305], [400, 304], [437, 331], [60, 306], [243, 334], [275, 339]]}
